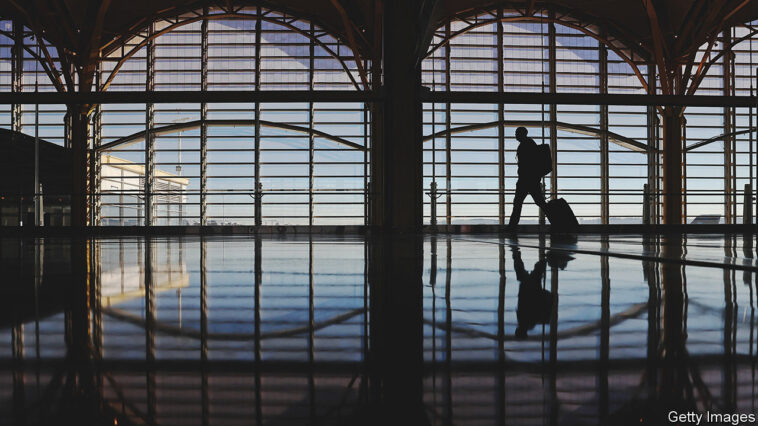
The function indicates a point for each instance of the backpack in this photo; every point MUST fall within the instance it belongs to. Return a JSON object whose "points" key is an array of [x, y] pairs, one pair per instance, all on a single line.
{"points": [[543, 163]]}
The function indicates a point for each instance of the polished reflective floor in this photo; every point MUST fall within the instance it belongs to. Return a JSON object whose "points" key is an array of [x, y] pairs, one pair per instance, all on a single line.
{"points": [[349, 330]]}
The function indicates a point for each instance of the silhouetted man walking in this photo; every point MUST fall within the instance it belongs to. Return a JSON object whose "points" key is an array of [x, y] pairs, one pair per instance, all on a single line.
{"points": [[528, 176]]}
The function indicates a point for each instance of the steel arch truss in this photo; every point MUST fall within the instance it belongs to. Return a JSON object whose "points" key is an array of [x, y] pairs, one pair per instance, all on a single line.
{"points": [[122, 48], [622, 141], [197, 124], [44, 57], [709, 59], [613, 38]]}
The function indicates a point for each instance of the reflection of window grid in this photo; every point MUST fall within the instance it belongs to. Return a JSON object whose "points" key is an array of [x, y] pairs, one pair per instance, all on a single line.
{"points": [[300, 302]]}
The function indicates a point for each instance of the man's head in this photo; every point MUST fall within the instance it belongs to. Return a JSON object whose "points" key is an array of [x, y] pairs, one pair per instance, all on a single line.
{"points": [[521, 133]]}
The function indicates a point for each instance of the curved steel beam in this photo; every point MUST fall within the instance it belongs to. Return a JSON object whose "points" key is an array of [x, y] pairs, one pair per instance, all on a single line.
{"points": [[350, 32], [34, 25], [191, 125], [708, 141], [623, 141], [614, 32], [559, 21], [52, 74], [704, 66], [224, 15]]}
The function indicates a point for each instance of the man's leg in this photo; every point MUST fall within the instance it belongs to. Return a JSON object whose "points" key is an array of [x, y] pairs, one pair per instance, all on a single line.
{"points": [[518, 202]]}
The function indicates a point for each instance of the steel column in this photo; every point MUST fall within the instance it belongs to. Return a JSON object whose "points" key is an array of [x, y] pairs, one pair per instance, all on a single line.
{"points": [[366, 165], [672, 165], [684, 170], [501, 119], [311, 65], [448, 137], [203, 126], [149, 137], [95, 160], [79, 141], [376, 197], [17, 72], [728, 60], [403, 161], [257, 147], [652, 149], [96, 168], [552, 68], [605, 198]]}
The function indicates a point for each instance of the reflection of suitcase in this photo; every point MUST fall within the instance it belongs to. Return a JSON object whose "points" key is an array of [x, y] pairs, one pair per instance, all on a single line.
{"points": [[561, 216]]}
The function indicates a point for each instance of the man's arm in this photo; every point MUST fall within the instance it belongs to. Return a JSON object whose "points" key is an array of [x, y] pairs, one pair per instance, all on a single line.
{"points": [[539, 270]]}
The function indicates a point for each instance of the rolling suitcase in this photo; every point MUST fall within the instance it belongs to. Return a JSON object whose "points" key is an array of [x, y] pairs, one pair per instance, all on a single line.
{"points": [[561, 216]]}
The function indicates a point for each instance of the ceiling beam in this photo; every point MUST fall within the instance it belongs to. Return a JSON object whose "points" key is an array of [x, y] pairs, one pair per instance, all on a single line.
{"points": [[278, 96], [659, 44], [35, 26], [92, 47], [704, 71], [530, 9], [735, 11], [349, 26], [426, 28], [90, 53], [693, 16], [66, 22]]}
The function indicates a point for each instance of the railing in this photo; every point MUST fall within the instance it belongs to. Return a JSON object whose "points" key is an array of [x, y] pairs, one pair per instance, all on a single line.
{"points": [[649, 203], [288, 206]]}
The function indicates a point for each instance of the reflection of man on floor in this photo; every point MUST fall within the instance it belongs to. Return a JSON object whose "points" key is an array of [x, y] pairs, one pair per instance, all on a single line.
{"points": [[535, 304]]}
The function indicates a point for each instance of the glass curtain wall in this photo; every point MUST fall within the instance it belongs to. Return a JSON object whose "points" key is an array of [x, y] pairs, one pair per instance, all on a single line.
{"points": [[604, 156], [20, 71], [310, 160], [307, 162]]}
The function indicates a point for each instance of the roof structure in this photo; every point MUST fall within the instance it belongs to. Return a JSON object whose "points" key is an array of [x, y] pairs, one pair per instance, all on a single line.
{"points": [[668, 32]]}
